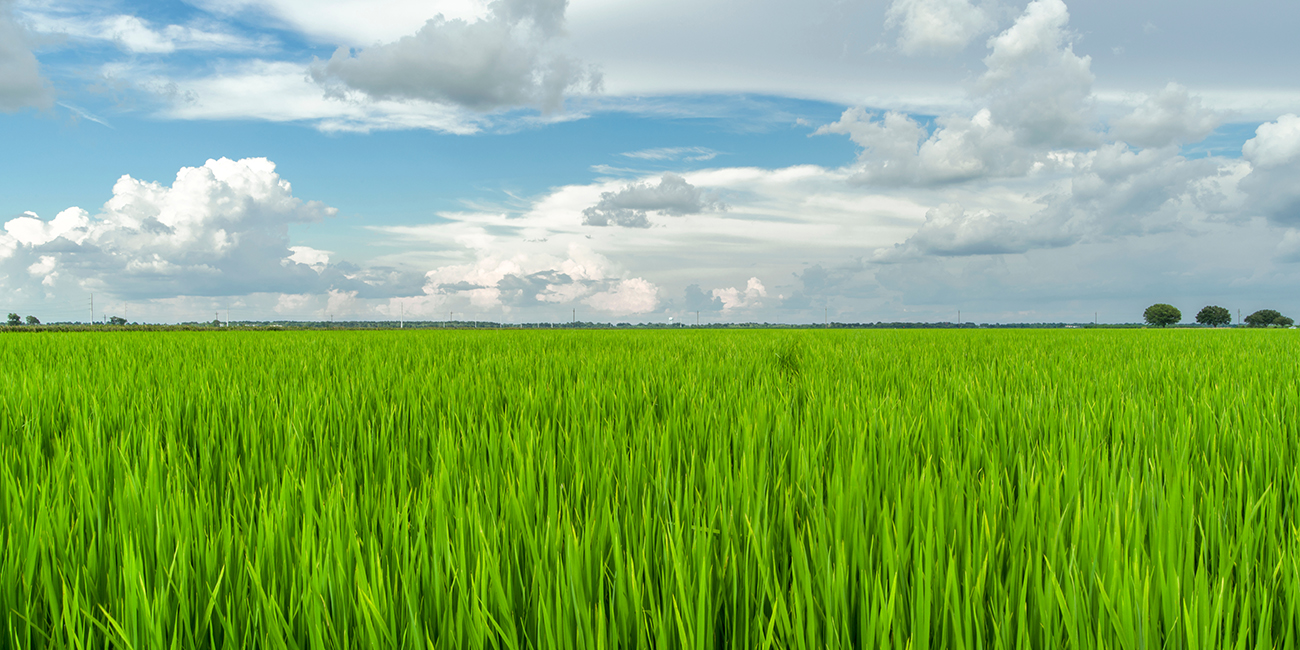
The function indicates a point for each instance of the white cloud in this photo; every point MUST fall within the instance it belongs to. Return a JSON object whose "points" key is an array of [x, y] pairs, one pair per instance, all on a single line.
{"points": [[292, 303], [1038, 97], [317, 259], [21, 83], [1275, 143], [1035, 84], [340, 302], [949, 230], [1274, 157], [219, 229], [632, 296], [44, 269], [629, 206], [136, 35], [896, 150], [748, 298], [282, 92], [689, 154], [348, 22], [504, 60], [936, 26], [71, 224], [1171, 116]]}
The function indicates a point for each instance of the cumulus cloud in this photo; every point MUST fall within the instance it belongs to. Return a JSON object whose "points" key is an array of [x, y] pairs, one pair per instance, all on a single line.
{"points": [[507, 59], [936, 26], [1038, 98], [733, 298], [1035, 83], [21, 83], [219, 229], [1171, 116], [896, 150], [1275, 144], [630, 206], [1274, 157], [308, 256]]}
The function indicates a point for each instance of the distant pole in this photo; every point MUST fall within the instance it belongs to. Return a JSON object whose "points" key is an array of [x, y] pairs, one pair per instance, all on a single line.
{"points": [[1238, 316], [697, 318], [826, 316], [575, 314], [216, 316], [401, 319], [227, 318], [959, 317]]}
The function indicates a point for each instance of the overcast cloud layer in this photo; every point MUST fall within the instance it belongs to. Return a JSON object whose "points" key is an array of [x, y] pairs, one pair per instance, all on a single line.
{"points": [[1023, 161]]}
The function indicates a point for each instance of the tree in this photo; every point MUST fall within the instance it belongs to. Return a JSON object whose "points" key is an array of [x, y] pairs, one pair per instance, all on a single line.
{"points": [[116, 320], [1266, 317], [32, 320], [15, 320], [1162, 314], [1214, 316]]}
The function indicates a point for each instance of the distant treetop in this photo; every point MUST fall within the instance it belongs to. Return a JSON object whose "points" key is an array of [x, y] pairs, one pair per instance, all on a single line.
{"points": [[1267, 318], [1161, 315], [1214, 316]]}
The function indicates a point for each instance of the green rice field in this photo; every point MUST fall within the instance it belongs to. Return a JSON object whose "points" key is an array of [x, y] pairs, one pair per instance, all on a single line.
{"points": [[650, 489]]}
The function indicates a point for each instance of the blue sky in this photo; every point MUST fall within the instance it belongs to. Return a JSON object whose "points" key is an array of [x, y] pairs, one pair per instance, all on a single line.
{"points": [[516, 160]]}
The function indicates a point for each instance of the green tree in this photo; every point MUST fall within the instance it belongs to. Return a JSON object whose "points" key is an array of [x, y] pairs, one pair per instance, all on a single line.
{"points": [[1283, 321], [1161, 314], [1214, 316], [116, 320], [1266, 317], [32, 320], [15, 320]]}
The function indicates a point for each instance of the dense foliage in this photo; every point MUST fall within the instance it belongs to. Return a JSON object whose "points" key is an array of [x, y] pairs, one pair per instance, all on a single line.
{"points": [[1267, 318], [1214, 316], [1161, 314], [651, 489]]}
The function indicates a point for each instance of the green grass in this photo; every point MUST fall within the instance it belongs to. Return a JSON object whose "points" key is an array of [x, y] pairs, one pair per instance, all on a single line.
{"points": [[677, 489]]}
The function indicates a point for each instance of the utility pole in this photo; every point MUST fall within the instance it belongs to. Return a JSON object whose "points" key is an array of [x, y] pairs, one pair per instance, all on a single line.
{"points": [[216, 316], [826, 317], [958, 318], [575, 314], [697, 318]]}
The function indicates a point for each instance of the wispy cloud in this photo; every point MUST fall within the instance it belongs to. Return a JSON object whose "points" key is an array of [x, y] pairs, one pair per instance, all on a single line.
{"points": [[690, 154]]}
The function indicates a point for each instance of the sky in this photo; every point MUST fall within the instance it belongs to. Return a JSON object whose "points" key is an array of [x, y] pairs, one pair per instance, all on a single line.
{"points": [[541, 160]]}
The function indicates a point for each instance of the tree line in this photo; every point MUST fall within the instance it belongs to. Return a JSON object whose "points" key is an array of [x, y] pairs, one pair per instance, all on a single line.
{"points": [[1162, 315]]}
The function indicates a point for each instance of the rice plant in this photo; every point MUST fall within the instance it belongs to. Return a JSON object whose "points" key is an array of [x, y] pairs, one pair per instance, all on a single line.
{"points": [[650, 489]]}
